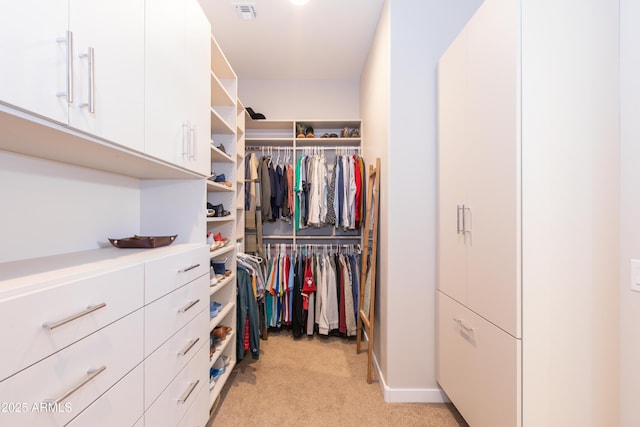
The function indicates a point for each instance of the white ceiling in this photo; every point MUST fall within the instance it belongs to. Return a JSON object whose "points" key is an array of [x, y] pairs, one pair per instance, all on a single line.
{"points": [[324, 39]]}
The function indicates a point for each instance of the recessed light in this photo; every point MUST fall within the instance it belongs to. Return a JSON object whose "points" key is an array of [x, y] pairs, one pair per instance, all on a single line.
{"points": [[299, 2]]}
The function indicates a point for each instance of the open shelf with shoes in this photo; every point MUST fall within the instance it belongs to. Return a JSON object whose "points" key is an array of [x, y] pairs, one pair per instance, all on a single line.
{"points": [[222, 196]]}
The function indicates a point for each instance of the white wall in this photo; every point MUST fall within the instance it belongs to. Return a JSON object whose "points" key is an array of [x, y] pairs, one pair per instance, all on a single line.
{"points": [[301, 99], [417, 32], [374, 110], [630, 211], [71, 208]]}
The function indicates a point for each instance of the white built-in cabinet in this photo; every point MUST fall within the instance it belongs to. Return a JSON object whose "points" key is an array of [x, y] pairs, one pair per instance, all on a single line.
{"points": [[526, 165], [101, 335], [177, 82], [75, 69]]}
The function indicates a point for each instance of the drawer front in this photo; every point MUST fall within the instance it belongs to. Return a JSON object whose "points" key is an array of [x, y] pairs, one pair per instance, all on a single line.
{"points": [[23, 317], [120, 406], [165, 363], [198, 413], [73, 376], [170, 313], [478, 366], [180, 394], [171, 272]]}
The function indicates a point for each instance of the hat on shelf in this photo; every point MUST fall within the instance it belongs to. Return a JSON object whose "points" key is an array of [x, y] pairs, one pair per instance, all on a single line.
{"points": [[254, 115]]}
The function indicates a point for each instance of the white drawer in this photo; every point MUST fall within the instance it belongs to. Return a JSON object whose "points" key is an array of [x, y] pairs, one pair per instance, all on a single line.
{"points": [[165, 363], [478, 366], [120, 406], [198, 413], [170, 313], [117, 347], [178, 397], [173, 271], [23, 316]]}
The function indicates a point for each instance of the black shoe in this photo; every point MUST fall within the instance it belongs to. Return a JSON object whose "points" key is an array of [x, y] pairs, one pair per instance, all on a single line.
{"points": [[219, 211], [254, 115]]}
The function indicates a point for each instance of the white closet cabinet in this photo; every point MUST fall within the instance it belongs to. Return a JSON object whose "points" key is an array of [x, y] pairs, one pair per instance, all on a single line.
{"points": [[70, 66], [527, 164], [177, 55], [36, 67]]}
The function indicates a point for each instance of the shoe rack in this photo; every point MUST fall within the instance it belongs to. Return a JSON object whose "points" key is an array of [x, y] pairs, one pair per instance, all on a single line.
{"points": [[277, 137], [226, 153]]}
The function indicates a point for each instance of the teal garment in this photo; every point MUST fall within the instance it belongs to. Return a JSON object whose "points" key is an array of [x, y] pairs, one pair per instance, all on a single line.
{"points": [[298, 191], [247, 311]]}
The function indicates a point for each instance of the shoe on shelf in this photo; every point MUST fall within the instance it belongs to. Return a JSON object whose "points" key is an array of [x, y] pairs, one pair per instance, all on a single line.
{"points": [[308, 133], [219, 210], [219, 267], [220, 332], [355, 133], [214, 308], [221, 148], [218, 238]]}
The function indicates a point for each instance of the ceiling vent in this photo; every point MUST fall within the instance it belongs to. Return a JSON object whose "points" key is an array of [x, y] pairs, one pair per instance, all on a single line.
{"points": [[246, 11]]}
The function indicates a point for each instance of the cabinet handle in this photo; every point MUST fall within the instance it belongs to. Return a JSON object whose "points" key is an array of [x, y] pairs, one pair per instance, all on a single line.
{"points": [[188, 347], [186, 395], [90, 55], [69, 41], [192, 142], [463, 326], [189, 268], [91, 374], [458, 208], [188, 306], [90, 309], [185, 140]]}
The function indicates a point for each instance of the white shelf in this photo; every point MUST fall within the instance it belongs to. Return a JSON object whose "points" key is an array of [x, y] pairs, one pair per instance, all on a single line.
{"points": [[215, 391], [223, 250], [213, 289], [215, 187], [228, 307], [228, 218], [221, 348], [219, 124], [218, 156]]}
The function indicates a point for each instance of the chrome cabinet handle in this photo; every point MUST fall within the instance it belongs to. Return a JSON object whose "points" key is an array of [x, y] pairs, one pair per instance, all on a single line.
{"points": [[90, 55], [186, 395], [90, 309], [192, 142], [185, 140], [189, 268], [188, 347], [69, 92], [463, 326], [458, 208], [188, 306], [91, 374]]}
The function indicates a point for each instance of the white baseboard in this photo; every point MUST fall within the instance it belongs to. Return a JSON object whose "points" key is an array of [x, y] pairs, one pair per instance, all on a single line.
{"points": [[408, 395]]}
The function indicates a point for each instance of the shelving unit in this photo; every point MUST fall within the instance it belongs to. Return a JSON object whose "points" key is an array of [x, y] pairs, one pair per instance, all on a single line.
{"points": [[265, 135], [225, 150], [240, 156]]}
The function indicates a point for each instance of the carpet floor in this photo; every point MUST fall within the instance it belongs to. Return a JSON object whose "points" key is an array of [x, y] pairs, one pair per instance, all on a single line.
{"points": [[318, 381]]}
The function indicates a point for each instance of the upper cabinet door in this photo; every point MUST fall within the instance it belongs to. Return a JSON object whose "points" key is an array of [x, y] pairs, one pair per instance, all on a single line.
{"points": [[109, 69], [166, 124], [35, 47], [493, 196], [452, 170], [198, 79]]}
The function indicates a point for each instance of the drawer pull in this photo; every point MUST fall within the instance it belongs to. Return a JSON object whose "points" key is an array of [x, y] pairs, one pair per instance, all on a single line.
{"points": [[186, 395], [464, 327], [188, 347], [91, 374], [188, 306], [189, 268], [90, 309]]}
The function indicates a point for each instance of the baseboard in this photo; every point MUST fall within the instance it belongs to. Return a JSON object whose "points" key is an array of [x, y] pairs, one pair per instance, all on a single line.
{"points": [[408, 395]]}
